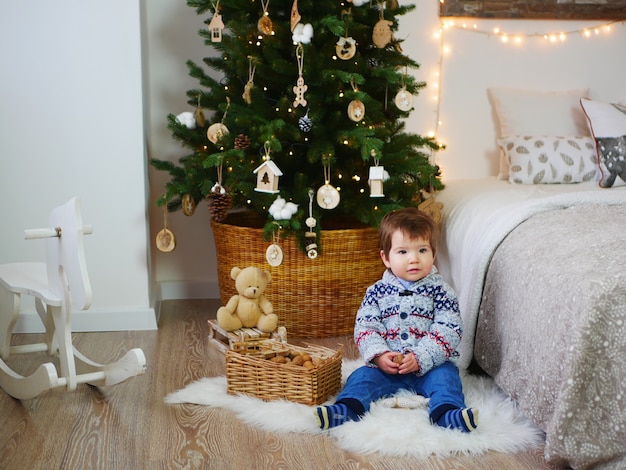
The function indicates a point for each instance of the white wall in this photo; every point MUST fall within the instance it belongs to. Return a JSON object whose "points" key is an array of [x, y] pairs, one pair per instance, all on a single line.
{"points": [[172, 38], [71, 124], [475, 62]]}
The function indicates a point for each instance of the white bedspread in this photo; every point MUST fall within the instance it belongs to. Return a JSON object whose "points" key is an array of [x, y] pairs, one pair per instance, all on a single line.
{"points": [[478, 215]]}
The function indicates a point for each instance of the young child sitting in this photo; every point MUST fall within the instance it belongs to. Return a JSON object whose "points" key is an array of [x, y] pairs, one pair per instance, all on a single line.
{"points": [[407, 330]]}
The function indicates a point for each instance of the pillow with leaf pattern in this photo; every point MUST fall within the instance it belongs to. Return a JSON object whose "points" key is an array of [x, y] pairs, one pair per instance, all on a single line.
{"points": [[550, 159], [607, 122]]}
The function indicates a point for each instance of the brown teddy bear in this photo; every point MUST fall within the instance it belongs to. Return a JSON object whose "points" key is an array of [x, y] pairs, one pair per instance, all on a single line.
{"points": [[250, 308]]}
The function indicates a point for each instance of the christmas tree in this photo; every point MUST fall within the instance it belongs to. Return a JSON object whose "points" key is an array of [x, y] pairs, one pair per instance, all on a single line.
{"points": [[305, 107]]}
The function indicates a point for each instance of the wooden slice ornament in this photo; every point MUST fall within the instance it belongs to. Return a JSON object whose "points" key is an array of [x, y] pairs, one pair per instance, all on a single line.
{"points": [[189, 204], [356, 108], [218, 130], [345, 48], [327, 195], [404, 100], [165, 239], [382, 35], [274, 254], [265, 25]]}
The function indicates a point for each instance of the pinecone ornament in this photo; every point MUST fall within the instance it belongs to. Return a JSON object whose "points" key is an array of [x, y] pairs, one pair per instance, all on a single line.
{"points": [[219, 202], [305, 123], [242, 142]]}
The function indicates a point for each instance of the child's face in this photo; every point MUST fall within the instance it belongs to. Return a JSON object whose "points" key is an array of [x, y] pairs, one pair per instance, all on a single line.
{"points": [[409, 259]]}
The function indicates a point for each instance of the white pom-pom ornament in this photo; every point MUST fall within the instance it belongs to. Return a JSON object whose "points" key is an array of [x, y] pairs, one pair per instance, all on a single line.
{"points": [[303, 33], [187, 119], [282, 210]]}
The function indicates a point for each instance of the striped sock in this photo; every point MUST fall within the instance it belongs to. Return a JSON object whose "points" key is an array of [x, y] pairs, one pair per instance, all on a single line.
{"points": [[465, 419], [333, 415]]}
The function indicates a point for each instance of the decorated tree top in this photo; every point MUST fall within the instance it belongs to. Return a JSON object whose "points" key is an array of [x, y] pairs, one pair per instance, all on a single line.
{"points": [[306, 104]]}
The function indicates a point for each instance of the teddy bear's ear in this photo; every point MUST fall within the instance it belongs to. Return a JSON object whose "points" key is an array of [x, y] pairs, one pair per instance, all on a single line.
{"points": [[235, 272], [268, 276]]}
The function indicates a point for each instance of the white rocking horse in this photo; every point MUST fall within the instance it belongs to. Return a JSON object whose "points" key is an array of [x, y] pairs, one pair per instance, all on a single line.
{"points": [[56, 285]]}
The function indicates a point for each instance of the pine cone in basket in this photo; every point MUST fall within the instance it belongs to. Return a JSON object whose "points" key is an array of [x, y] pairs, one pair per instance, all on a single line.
{"points": [[219, 204]]}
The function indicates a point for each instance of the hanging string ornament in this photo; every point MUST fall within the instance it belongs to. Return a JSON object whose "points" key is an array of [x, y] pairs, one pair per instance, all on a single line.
{"points": [[430, 205], [218, 130], [295, 15], [310, 236], [219, 200], [189, 204], [382, 35], [267, 173], [247, 97], [165, 239], [216, 26], [404, 99], [327, 195], [265, 25], [305, 123], [377, 175], [300, 87], [346, 46], [356, 108], [199, 114], [274, 253]]}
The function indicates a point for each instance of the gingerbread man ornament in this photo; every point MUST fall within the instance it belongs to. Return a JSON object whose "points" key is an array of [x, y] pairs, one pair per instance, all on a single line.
{"points": [[299, 90]]}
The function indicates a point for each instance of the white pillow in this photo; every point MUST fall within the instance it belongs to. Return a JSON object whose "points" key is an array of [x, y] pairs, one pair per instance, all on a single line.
{"points": [[607, 122], [547, 159], [537, 113]]}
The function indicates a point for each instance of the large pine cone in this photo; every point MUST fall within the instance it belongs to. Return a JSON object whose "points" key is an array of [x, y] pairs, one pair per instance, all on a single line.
{"points": [[219, 204]]}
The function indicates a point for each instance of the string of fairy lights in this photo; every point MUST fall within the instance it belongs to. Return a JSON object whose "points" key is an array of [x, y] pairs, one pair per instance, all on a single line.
{"points": [[518, 39]]}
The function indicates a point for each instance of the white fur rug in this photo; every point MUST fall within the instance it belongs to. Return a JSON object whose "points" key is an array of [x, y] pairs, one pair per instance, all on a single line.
{"points": [[385, 429]]}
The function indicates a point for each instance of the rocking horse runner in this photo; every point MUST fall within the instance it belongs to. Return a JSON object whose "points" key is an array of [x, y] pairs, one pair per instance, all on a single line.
{"points": [[51, 283]]}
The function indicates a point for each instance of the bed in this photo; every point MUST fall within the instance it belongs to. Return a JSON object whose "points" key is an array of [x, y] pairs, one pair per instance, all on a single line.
{"points": [[541, 279], [540, 271]]}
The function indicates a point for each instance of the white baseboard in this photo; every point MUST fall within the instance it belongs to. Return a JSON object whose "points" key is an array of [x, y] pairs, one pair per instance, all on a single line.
{"points": [[143, 319], [90, 321]]}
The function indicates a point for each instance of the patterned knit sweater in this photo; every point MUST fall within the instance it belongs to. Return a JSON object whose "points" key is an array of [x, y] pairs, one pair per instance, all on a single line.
{"points": [[423, 319]]}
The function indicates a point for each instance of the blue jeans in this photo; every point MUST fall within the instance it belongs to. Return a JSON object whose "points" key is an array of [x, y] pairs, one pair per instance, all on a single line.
{"points": [[442, 385]]}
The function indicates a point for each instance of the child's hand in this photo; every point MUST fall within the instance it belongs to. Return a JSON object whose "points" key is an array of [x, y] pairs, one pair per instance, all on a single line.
{"points": [[409, 364], [386, 362]]}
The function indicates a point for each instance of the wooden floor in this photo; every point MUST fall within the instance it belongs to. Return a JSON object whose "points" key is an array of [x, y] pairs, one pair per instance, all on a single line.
{"points": [[128, 426]]}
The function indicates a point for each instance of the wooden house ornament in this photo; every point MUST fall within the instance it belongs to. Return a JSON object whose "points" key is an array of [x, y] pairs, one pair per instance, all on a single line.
{"points": [[376, 178], [267, 175], [215, 27]]}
